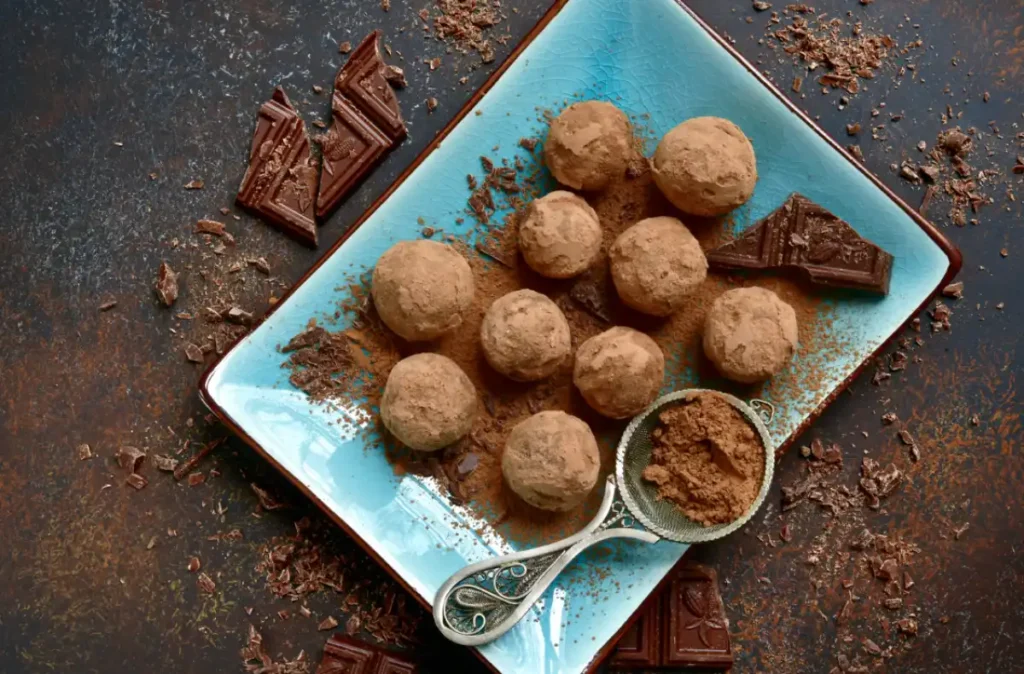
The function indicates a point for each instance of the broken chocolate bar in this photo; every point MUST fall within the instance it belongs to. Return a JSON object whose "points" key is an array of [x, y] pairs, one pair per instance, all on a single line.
{"points": [[682, 626], [348, 656], [802, 235], [365, 123], [280, 184]]}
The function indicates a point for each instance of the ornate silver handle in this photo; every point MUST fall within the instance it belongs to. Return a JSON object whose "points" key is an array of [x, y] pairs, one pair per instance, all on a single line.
{"points": [[486, 599]]}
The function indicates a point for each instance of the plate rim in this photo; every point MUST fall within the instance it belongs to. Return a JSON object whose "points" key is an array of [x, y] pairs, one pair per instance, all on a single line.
{"points": [[951, 252]]}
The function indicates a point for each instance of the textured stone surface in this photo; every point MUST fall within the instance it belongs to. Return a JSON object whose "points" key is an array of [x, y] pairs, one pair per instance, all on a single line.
{"points": [[178, 84]]}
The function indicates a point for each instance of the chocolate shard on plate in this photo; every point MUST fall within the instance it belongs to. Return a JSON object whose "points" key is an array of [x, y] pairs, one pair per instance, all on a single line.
{"points": [[365, 123], [804, 236], [683, 626], [280, 184], [349, 656]]}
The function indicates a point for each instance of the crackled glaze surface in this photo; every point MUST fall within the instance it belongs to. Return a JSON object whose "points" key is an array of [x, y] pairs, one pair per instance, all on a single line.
{"points": [[642, 56]]}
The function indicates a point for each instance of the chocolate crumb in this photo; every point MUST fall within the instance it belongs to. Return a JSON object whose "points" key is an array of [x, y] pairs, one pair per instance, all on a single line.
{"points": [[238, 316], [166, 284], [267, 502], [328, 623], [954, 290], [261, 265], [136, 481], [396, 76], [345, 47], [108, 305], [193, 353], [194, 185], [193, 564], [165, 463], [205, 583], [210, 227], [431, 104], [84, 452]]}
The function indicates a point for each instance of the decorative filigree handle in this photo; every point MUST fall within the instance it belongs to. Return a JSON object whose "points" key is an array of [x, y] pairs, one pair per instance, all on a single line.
{"points": [[484, 600]]}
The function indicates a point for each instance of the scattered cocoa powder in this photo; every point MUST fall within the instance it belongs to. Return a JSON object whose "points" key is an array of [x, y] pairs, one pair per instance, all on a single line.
{"points": [[707, 459]]}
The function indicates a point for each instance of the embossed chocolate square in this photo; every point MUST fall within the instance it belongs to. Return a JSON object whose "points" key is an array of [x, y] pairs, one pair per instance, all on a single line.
{"points": [[348, 656], [804, 237], [280, 183], [683, 626], [365, 123]]}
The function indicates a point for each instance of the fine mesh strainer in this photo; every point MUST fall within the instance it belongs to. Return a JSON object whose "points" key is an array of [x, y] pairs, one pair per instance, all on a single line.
{"points": [[486, 599]]}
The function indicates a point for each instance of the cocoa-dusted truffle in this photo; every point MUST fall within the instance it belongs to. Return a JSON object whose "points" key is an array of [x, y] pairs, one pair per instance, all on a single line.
{"points": [[551, 460], [525, 336], [655, 264], [422, 289], [705, 166], [588, 145], [619, 372], [428, 402], [750, 334], [560, 235]]}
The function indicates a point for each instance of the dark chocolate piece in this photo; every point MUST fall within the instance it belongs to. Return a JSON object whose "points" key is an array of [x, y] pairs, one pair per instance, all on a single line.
{"points": [[696, 629], [683, 626], [804, 236], [365, 123], [280, 184], [348, 656]]}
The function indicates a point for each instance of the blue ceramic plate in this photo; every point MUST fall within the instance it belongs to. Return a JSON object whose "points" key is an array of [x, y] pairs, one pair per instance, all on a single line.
{"points": [[648, 56]]}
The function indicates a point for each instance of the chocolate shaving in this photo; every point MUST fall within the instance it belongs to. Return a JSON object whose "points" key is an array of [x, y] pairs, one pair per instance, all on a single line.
{"points": [[184, 469], [267, 502]]}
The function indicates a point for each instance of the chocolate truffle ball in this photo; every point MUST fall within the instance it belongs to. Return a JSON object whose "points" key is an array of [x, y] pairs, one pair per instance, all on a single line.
{"points": [[588, 145], [422, 289], [525, 336], [619, 372], [655, 264], [428, 402], [551, 460], [750, 334], [560, 235], [705, 166]]}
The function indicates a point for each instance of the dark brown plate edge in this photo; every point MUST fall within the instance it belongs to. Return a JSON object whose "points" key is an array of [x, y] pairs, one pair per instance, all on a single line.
{"points": [[951, 252]]}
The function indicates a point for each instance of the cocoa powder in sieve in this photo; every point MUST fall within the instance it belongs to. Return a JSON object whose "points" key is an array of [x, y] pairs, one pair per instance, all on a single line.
{"points": [[707, 459]]}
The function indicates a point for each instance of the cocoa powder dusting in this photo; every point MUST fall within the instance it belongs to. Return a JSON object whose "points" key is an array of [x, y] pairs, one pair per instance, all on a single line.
{"points": [[353, 363], [707, 460]]}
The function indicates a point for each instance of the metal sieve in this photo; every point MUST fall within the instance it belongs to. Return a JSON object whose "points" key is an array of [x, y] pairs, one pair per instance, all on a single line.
{"points": [[486, 599]]}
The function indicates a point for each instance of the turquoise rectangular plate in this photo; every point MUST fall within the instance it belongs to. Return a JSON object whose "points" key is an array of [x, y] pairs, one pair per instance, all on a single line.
{"points": [[648, 56]]}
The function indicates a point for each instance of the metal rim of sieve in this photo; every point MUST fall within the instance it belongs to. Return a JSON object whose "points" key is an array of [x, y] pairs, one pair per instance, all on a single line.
{"points": [[660, 516]]}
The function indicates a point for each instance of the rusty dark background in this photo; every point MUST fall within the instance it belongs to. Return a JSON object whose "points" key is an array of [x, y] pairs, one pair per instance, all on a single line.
{"points": [[177, 84]]}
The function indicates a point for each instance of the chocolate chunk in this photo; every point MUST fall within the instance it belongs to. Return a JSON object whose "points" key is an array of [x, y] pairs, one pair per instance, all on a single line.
{"points": [[130, 458], [193, 353], [136, 481], [591, 293], [166, 284], [681, 627], [280, 184], [349, 656], [365, 123], [210, 227], [804, 236]]}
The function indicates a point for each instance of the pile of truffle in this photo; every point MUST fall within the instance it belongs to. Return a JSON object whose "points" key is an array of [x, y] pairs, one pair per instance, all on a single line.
{"points": [[423, 289]]}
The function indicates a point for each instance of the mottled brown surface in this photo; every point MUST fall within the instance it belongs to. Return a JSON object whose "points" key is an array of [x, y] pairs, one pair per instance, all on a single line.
{"points": [[177, 85]]}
